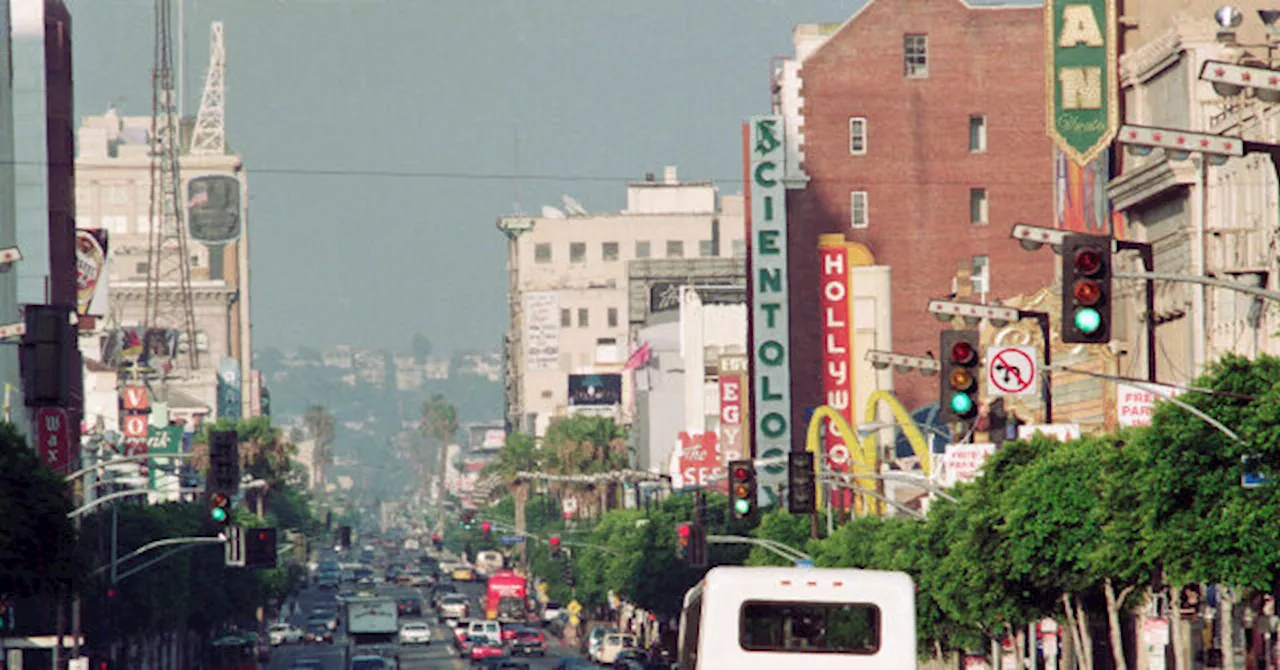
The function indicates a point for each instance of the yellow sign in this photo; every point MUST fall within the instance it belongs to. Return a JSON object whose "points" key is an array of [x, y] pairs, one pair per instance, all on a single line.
{"points": [[574, 620], [574, 607]]}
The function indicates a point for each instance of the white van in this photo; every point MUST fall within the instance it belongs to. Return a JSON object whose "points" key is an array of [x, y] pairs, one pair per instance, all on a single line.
{"points": [[815, 618], [490, 630]]}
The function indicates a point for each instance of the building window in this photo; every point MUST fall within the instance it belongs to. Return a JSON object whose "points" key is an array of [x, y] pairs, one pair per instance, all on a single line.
{"points": [[915, 55], [643, 250], [609, 251], [857, 135], [977, 133], [607, 350], [583, 321], [675, 249], [577, 252], [707, 248], [116, 224], [542, 253], [739, 248], [858, 210], [978, 206], [981, 275], [613, 317], [142, 268], [195, 261], [566, 318]]}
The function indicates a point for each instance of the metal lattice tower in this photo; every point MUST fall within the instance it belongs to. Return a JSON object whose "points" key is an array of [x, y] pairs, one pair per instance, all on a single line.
{"points": [[168, 300], [210, 137]]}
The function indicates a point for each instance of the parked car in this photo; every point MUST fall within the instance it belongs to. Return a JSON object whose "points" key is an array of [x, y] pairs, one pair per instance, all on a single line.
{"points": [[283, 633], [454, 606]]}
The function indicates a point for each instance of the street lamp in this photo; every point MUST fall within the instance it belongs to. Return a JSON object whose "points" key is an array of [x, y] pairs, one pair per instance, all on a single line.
{"points": [[881, 360]]}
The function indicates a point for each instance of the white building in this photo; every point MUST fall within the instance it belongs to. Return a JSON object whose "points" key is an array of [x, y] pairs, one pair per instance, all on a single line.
{"points": [[1201, 219], [568, 335]]}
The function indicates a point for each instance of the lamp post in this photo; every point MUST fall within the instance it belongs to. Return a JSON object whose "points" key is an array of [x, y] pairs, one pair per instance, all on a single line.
{"points": [[997, 316]]}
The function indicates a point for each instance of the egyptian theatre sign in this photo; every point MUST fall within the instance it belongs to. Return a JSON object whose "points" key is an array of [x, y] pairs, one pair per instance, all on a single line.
{"points": [[770, 321], [1080, 69]]}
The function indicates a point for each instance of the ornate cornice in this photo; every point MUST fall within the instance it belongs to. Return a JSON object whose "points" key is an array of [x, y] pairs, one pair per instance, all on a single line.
{"points": [[1146, 61], [1149, 180]]}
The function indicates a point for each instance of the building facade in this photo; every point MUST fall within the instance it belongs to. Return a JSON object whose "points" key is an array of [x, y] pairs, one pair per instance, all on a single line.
{"points": [[114, 202], [910, 131], [568, 335]]}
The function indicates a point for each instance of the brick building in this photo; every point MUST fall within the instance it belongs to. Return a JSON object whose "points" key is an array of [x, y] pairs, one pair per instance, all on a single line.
{"points": [[920, 128]]}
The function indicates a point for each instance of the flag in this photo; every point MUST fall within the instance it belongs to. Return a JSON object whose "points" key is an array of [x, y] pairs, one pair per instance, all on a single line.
{"points": [[639, 358], [198, 199]]}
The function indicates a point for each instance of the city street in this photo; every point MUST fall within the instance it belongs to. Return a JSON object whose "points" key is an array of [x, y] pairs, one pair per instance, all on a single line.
{"points": [[439, 654]]}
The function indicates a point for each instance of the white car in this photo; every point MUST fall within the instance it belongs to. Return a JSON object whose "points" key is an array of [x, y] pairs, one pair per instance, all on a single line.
{"points": [[415, 633], [552, 613], [454, 606], [283, 633]]}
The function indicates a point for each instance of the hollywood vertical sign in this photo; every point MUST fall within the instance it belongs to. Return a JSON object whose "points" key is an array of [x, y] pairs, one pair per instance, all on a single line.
{"points": [[770, 320], [837, 339]]}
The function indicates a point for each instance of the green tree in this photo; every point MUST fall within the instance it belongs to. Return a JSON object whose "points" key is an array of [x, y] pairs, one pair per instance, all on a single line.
{"points": [[440, 423], [421, 348], [37, 540], [519, 454], [584, 445], [780, 526]]}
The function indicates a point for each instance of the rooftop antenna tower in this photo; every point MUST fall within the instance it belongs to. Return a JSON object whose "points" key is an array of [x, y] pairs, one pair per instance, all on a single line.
{"points": [[210, 137], [168, 297]]}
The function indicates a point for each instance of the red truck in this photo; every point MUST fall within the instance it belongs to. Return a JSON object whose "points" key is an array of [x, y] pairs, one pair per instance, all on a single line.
{"points": [[505, 596]]}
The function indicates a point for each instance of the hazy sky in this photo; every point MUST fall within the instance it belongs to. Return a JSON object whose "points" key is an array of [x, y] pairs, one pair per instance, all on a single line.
{"points": [[379, 135]]}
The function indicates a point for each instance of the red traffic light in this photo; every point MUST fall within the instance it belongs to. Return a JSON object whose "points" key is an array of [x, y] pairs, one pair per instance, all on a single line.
{"points": [[486, 526], [262, 536], [963, 353], [554, 542], [435, 537], [1088, 262], [740, 473], [684, 530]]}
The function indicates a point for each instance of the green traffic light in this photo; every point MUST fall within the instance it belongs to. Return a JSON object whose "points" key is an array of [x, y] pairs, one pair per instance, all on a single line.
{"points": [[1088, 320], [219, 514], [961, 403], [741, 506]]}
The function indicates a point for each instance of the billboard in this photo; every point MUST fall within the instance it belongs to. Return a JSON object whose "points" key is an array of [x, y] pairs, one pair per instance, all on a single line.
{"points": [[770, 320], [541, 330], [91, 264], [595, 390], [213, 209]]}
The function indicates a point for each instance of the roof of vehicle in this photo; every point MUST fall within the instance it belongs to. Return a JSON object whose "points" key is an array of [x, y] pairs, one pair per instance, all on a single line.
{"points": [[416, 625]]}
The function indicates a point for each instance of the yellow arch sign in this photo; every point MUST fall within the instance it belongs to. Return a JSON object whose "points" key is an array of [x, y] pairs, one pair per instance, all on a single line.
{"points": [[863, 451]]}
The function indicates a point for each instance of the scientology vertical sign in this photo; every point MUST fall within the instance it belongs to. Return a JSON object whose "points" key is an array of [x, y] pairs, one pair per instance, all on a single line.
{"points": [[770, 322]]}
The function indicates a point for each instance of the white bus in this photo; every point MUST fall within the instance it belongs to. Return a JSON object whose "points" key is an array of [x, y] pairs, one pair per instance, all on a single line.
{"points": [[813, 618]]}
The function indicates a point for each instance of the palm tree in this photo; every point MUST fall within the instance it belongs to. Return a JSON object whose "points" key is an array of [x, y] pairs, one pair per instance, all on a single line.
{"points": [[518, 454], [440, 423], [585, 445], [320, 424]]}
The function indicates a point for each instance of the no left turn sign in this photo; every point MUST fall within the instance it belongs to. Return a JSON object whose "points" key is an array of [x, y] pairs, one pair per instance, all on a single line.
{"points": [[1012, 371]]}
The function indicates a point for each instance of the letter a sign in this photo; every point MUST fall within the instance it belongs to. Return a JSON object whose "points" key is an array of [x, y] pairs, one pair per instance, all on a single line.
{"points": [[1083, 98]]}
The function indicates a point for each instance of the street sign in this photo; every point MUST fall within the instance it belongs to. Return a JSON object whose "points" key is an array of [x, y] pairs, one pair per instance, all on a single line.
{"points": [[574, 607], [53, 434], [804, 564], [1011, 371], [511, 539]]}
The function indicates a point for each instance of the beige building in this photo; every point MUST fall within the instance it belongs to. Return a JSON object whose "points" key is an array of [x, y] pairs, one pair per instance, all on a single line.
{"points": [[567, 341], [113, 193], [1202, 218]]}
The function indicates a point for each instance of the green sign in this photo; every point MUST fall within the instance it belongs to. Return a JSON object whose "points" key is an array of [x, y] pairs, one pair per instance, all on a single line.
{"points": [[164, 441], [1080, 69]]}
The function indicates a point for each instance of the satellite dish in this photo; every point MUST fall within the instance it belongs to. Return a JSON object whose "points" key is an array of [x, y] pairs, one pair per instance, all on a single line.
{"points": [[573, 206], [549, 212]]}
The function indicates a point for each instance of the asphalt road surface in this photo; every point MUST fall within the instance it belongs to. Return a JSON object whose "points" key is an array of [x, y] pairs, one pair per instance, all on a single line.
{"points": [[439, 654]]}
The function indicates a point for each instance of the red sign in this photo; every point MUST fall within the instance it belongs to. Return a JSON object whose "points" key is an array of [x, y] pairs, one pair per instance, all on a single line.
{"points": [[53, 434], [837, 338], [731, 416], [135, 399], [700, 462], [136, 426]]}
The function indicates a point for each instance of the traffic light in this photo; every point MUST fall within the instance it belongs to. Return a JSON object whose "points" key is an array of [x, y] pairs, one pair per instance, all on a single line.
{"points": [[684, 537], [436, 541], [553, 547], [344, 537], [219, 508], [224, 462], [44, 359], [698, 547], [959, 399], [1086, 288], [801, 483], [742, 488], [260, 548], [486, 529], [468, 519]]}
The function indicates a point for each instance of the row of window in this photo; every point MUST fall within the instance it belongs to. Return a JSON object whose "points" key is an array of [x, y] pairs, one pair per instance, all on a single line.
{"points": [[609, 251], [584, 317], [860, 216], [858, 140]]}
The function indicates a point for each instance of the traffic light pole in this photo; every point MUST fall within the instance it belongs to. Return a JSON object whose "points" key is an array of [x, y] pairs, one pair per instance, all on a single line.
{"points": [[1149, 265]]}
